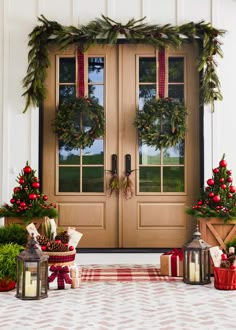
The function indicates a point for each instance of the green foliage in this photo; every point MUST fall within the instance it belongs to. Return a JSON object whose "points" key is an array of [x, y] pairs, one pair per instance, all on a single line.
{"points": [[161, 123], [71, 121], [218, 198], [13, 233], [107, 31], [27, 201], [8, 254]]}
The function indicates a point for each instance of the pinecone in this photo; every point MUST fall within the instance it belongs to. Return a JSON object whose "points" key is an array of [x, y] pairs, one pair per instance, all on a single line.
{"points": [[63, 237], [53, 246], [42, 240]]}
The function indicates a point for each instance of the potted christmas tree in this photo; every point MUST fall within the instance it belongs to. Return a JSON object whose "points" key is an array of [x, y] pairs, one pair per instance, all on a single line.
{"points": [[28, 204], [216, 207]]}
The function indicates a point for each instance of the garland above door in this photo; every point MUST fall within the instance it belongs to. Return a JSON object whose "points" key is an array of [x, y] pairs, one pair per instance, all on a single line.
{"points": [[104, 30]]}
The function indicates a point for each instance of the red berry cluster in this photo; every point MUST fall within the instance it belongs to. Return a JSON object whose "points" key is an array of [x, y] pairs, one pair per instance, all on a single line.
{"points": [[218, 199], [228, 260]]}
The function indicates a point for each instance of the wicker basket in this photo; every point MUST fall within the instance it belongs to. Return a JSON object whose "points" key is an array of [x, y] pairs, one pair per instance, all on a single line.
{"points": [[61, 258], [224, 278]]}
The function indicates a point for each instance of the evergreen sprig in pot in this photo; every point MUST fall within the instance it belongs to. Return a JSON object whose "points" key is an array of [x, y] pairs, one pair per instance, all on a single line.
{"points": [[27, 203], [216, 207], [8, 254]]}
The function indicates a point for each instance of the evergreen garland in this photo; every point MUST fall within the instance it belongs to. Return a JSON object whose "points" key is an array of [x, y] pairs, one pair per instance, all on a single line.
{"points": [[73, 117], [106, 31], [161, 123]]}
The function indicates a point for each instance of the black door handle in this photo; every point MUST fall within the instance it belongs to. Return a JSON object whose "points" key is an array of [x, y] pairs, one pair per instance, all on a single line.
{"points": [[128, 164], [114, 164]]}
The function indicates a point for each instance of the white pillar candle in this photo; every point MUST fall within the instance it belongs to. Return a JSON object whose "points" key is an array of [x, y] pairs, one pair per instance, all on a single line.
{"points": [[30, 290], [27, 277], [192, 271]]}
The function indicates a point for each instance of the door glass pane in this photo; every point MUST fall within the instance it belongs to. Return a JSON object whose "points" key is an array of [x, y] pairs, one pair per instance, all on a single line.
{"points": [[147, 69], [69, 179], [164, 167], [176, 69], [176, 92], [69, 157], [150, 179], [67, 70], [146, 92], [96, 92], [95, 69], [74, 176], [173, 179], [66, 92], [174, 155], [94, 154], [148, 155], [93, 179]]}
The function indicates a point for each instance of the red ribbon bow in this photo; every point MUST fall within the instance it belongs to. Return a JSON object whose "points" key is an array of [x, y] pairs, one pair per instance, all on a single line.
{"points": [[62, 274], [175, 253]]}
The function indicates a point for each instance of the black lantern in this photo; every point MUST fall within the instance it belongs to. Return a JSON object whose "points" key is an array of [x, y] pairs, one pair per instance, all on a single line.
{"points": [[32, 273], [196, 267]]}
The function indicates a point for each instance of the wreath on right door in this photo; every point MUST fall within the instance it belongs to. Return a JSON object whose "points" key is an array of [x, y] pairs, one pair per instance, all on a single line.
{"points": [[161, 123]]}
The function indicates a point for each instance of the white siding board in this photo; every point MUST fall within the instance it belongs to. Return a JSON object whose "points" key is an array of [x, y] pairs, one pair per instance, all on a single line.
{"points": [[125, 10], [196, 11], [161, 12], [58, 10], [90, 9]]}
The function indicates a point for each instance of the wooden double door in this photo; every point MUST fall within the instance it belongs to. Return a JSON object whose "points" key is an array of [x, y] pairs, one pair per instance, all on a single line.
{"points": [[164, 181]]}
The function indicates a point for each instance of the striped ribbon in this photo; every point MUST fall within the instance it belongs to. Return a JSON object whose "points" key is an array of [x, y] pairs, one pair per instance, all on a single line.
{"points": [[161, 62], [80, 62]]}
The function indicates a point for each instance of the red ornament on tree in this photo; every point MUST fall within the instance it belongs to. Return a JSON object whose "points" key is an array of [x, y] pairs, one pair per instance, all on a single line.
{"points": [[232, 189], [210, 182], [21, 181], [27, 169], [223, 163], [32, 196], [16, 190], [45, 197], [216, 170], [35, 185], [216, 198]]}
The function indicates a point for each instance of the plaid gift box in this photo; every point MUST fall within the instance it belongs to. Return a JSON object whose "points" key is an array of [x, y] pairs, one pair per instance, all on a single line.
{"points": [[59, 277]]}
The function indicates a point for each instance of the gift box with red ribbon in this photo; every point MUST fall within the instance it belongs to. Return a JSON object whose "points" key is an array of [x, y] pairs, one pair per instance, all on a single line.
{"points": [[59, 277], [171, 263]]}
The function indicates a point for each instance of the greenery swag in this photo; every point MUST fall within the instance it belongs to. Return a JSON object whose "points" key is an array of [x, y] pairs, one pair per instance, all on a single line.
{"points": [[72, 119], [161, 123], [106, 31]]}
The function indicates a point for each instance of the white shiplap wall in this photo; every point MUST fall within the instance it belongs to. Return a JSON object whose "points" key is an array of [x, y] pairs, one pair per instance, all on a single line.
{"points": [[19, 132]]}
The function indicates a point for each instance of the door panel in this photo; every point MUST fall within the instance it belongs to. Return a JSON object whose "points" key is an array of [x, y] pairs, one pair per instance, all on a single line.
{"points": [[164, 181]]}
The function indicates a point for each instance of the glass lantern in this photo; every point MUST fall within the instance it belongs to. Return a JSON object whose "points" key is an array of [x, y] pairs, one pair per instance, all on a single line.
{"points": [[32, 273], [196, 266]]}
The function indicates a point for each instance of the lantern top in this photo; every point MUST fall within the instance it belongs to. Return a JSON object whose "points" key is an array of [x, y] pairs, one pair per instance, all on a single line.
{"points": [[32, 252], [197, 242]]}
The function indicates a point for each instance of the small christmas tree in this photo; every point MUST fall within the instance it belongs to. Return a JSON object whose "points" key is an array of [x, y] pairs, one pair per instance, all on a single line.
{"points": [[218, 198], [27, 201]]}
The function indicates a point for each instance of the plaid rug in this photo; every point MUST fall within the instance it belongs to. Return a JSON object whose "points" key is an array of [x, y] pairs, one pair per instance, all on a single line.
{"points": [[105, 273]]}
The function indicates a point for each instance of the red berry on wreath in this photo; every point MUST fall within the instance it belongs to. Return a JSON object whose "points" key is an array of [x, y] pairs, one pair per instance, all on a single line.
{"points": [[211, 194], [221, 180], [229, 172], [229, 179], [45, 198], [232, 189], [223, 186]]}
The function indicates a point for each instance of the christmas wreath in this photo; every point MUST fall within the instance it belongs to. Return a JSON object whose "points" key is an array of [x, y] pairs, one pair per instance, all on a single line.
{"points": [[161, 123], [79, 122]]}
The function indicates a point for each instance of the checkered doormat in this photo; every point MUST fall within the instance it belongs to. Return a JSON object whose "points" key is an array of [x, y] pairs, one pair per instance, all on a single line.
{"points": [[124, 273]]}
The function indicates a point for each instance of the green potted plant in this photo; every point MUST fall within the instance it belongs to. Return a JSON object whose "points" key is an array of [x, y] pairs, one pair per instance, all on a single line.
{"points": [[215, 209], [13, 233], [8, 254], [28, 204]]}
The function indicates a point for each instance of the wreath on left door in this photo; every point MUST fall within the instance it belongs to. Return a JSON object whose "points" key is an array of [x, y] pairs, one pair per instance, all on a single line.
{"points": [[79, 122]]}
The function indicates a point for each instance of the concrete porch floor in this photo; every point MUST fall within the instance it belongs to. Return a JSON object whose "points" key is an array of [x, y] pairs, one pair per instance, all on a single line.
{"points": [[122, 305]]}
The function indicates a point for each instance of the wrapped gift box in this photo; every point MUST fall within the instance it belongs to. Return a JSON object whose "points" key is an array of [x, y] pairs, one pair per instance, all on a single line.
{"points": [[172, 263], [75, 274]]}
